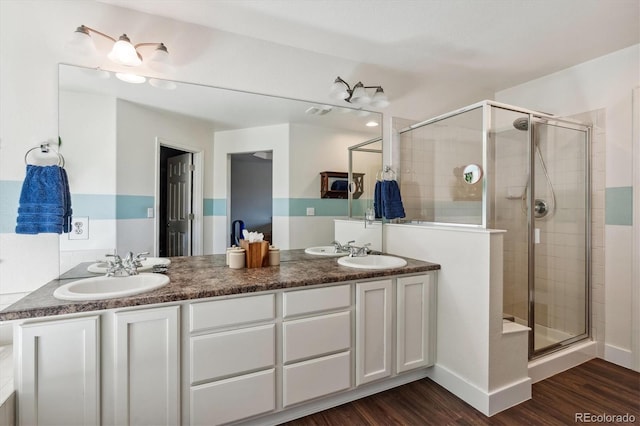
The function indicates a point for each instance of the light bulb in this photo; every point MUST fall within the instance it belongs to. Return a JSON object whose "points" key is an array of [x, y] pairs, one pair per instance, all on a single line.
{"points": [[159, 60], [379, 99], [339, 90], [359, 95], [124, 53]]}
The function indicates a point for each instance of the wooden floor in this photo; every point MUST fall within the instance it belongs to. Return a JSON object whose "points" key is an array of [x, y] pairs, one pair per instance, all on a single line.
{"points": [[596, 387]]}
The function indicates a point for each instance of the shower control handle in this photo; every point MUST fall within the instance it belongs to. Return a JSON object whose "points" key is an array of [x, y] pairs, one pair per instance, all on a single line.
{"points": [[540, 208]]}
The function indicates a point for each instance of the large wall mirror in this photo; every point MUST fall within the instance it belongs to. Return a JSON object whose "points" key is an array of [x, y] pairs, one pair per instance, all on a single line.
{"points": [[173, 168]]}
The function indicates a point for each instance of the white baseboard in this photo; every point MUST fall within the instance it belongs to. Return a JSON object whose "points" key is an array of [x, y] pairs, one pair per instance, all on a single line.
{"points": [[487, 403], [557, 362], [619, 356]]}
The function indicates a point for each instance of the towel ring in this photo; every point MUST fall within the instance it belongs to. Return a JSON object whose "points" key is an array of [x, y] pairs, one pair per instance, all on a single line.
{"points": [[382, 174], [44, 148]]}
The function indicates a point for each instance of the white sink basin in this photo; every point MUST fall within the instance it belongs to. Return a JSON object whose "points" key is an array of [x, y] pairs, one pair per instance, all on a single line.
{"points": [[147, 265], [329, 251], [110, 287], [373, 261]]}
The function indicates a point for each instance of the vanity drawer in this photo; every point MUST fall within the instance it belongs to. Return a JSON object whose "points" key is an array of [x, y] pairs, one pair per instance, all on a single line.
{"points": [[317, 377], [221, 313], [232, 352], [233, 399], [315, 300], [315, 336]]}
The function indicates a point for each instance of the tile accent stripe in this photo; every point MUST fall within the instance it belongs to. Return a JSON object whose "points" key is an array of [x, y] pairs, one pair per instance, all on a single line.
{"points": [[9, 198], [133, 206], [619, 206], [111, 207]]}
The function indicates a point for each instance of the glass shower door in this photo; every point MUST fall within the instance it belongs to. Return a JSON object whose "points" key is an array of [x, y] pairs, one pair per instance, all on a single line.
{"points": [[559, 235]]}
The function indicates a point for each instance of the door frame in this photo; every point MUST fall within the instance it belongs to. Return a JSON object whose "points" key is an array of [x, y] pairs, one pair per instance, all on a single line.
{"points": [[197, 194]]}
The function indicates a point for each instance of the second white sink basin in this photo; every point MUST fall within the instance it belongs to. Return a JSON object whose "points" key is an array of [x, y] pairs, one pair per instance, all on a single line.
{"points": [[329, 251], [147, 265], [373, 261], [110, 287]]}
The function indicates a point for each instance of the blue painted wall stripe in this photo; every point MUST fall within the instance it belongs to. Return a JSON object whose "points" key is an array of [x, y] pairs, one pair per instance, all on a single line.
{"points": [[133, 206], [110, 207], [219, 207], [9, 199], [94, 206], [619, 206], [207, 207]]}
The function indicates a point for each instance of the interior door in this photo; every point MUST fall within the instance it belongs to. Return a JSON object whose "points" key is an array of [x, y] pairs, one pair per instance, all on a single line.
{"points": [[179, 215]]}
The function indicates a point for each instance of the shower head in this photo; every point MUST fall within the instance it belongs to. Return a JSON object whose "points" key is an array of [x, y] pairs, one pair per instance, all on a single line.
{"points": [[521, 123]]}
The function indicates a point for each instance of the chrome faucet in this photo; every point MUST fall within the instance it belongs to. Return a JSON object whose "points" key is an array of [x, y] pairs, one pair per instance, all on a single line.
{"points": [[119, 267], [342, 248], [359, 251]]}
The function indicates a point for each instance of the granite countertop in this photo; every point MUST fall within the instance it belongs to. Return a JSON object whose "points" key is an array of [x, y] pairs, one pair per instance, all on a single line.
{"points": [[200, 277]]}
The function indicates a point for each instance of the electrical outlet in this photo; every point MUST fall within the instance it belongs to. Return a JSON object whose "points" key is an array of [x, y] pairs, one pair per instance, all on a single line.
{"points": [[311, 211], [79, 228]]}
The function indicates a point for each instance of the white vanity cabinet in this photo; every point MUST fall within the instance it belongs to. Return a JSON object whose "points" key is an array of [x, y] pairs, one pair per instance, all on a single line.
{"points": [[316, 343], [415, 322], [58, 371], [412, 308], [232, 359], [257, 358], [374, 309], [146, 367]]}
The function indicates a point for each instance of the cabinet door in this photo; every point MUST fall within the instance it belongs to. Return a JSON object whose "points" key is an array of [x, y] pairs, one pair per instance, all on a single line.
{"points": [[373, 331], [414, 327], [147, 367], [58, 377]]}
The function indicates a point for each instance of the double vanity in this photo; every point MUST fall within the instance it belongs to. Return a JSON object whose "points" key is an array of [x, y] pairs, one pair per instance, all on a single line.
{"points": [[217, 345]]}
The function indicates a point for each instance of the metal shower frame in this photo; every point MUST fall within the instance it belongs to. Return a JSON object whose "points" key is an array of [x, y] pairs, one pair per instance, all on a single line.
{"points": [[487, 196]]}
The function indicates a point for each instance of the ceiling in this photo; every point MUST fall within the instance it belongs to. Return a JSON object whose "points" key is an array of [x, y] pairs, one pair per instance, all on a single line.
{"points": [[494, 43]]}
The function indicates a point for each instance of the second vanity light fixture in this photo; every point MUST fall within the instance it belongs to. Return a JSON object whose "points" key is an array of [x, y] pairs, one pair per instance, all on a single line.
{"points": [[359, 95], [123, 51]]}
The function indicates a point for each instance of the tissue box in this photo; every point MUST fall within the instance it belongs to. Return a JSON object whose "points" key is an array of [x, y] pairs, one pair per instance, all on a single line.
{"points": [[257, 253]]}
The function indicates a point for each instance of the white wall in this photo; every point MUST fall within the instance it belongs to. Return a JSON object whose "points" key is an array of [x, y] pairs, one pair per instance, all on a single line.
{"points": [[603, 83], [87, 127], [475, 359], [138, 130]]}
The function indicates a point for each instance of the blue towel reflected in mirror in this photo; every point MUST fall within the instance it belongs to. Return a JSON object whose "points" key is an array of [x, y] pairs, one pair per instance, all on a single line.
{"points": [[387, 201]]}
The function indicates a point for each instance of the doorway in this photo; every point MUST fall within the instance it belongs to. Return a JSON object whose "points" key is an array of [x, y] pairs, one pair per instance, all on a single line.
{"points": [[251, 192], [175, 211]]}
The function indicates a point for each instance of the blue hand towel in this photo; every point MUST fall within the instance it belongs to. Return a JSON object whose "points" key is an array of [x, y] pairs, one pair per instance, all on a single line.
{"points": [[377, 200], [45, 202], [391, 200], [68, 211], [340, 185]]}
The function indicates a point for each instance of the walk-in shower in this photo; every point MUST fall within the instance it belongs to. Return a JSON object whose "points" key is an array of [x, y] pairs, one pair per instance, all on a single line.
{"points": [[534, 184]]}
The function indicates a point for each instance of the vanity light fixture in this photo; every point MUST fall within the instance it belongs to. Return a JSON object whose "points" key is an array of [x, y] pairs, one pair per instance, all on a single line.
{"points": [[359, 95], [123, 51]]}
